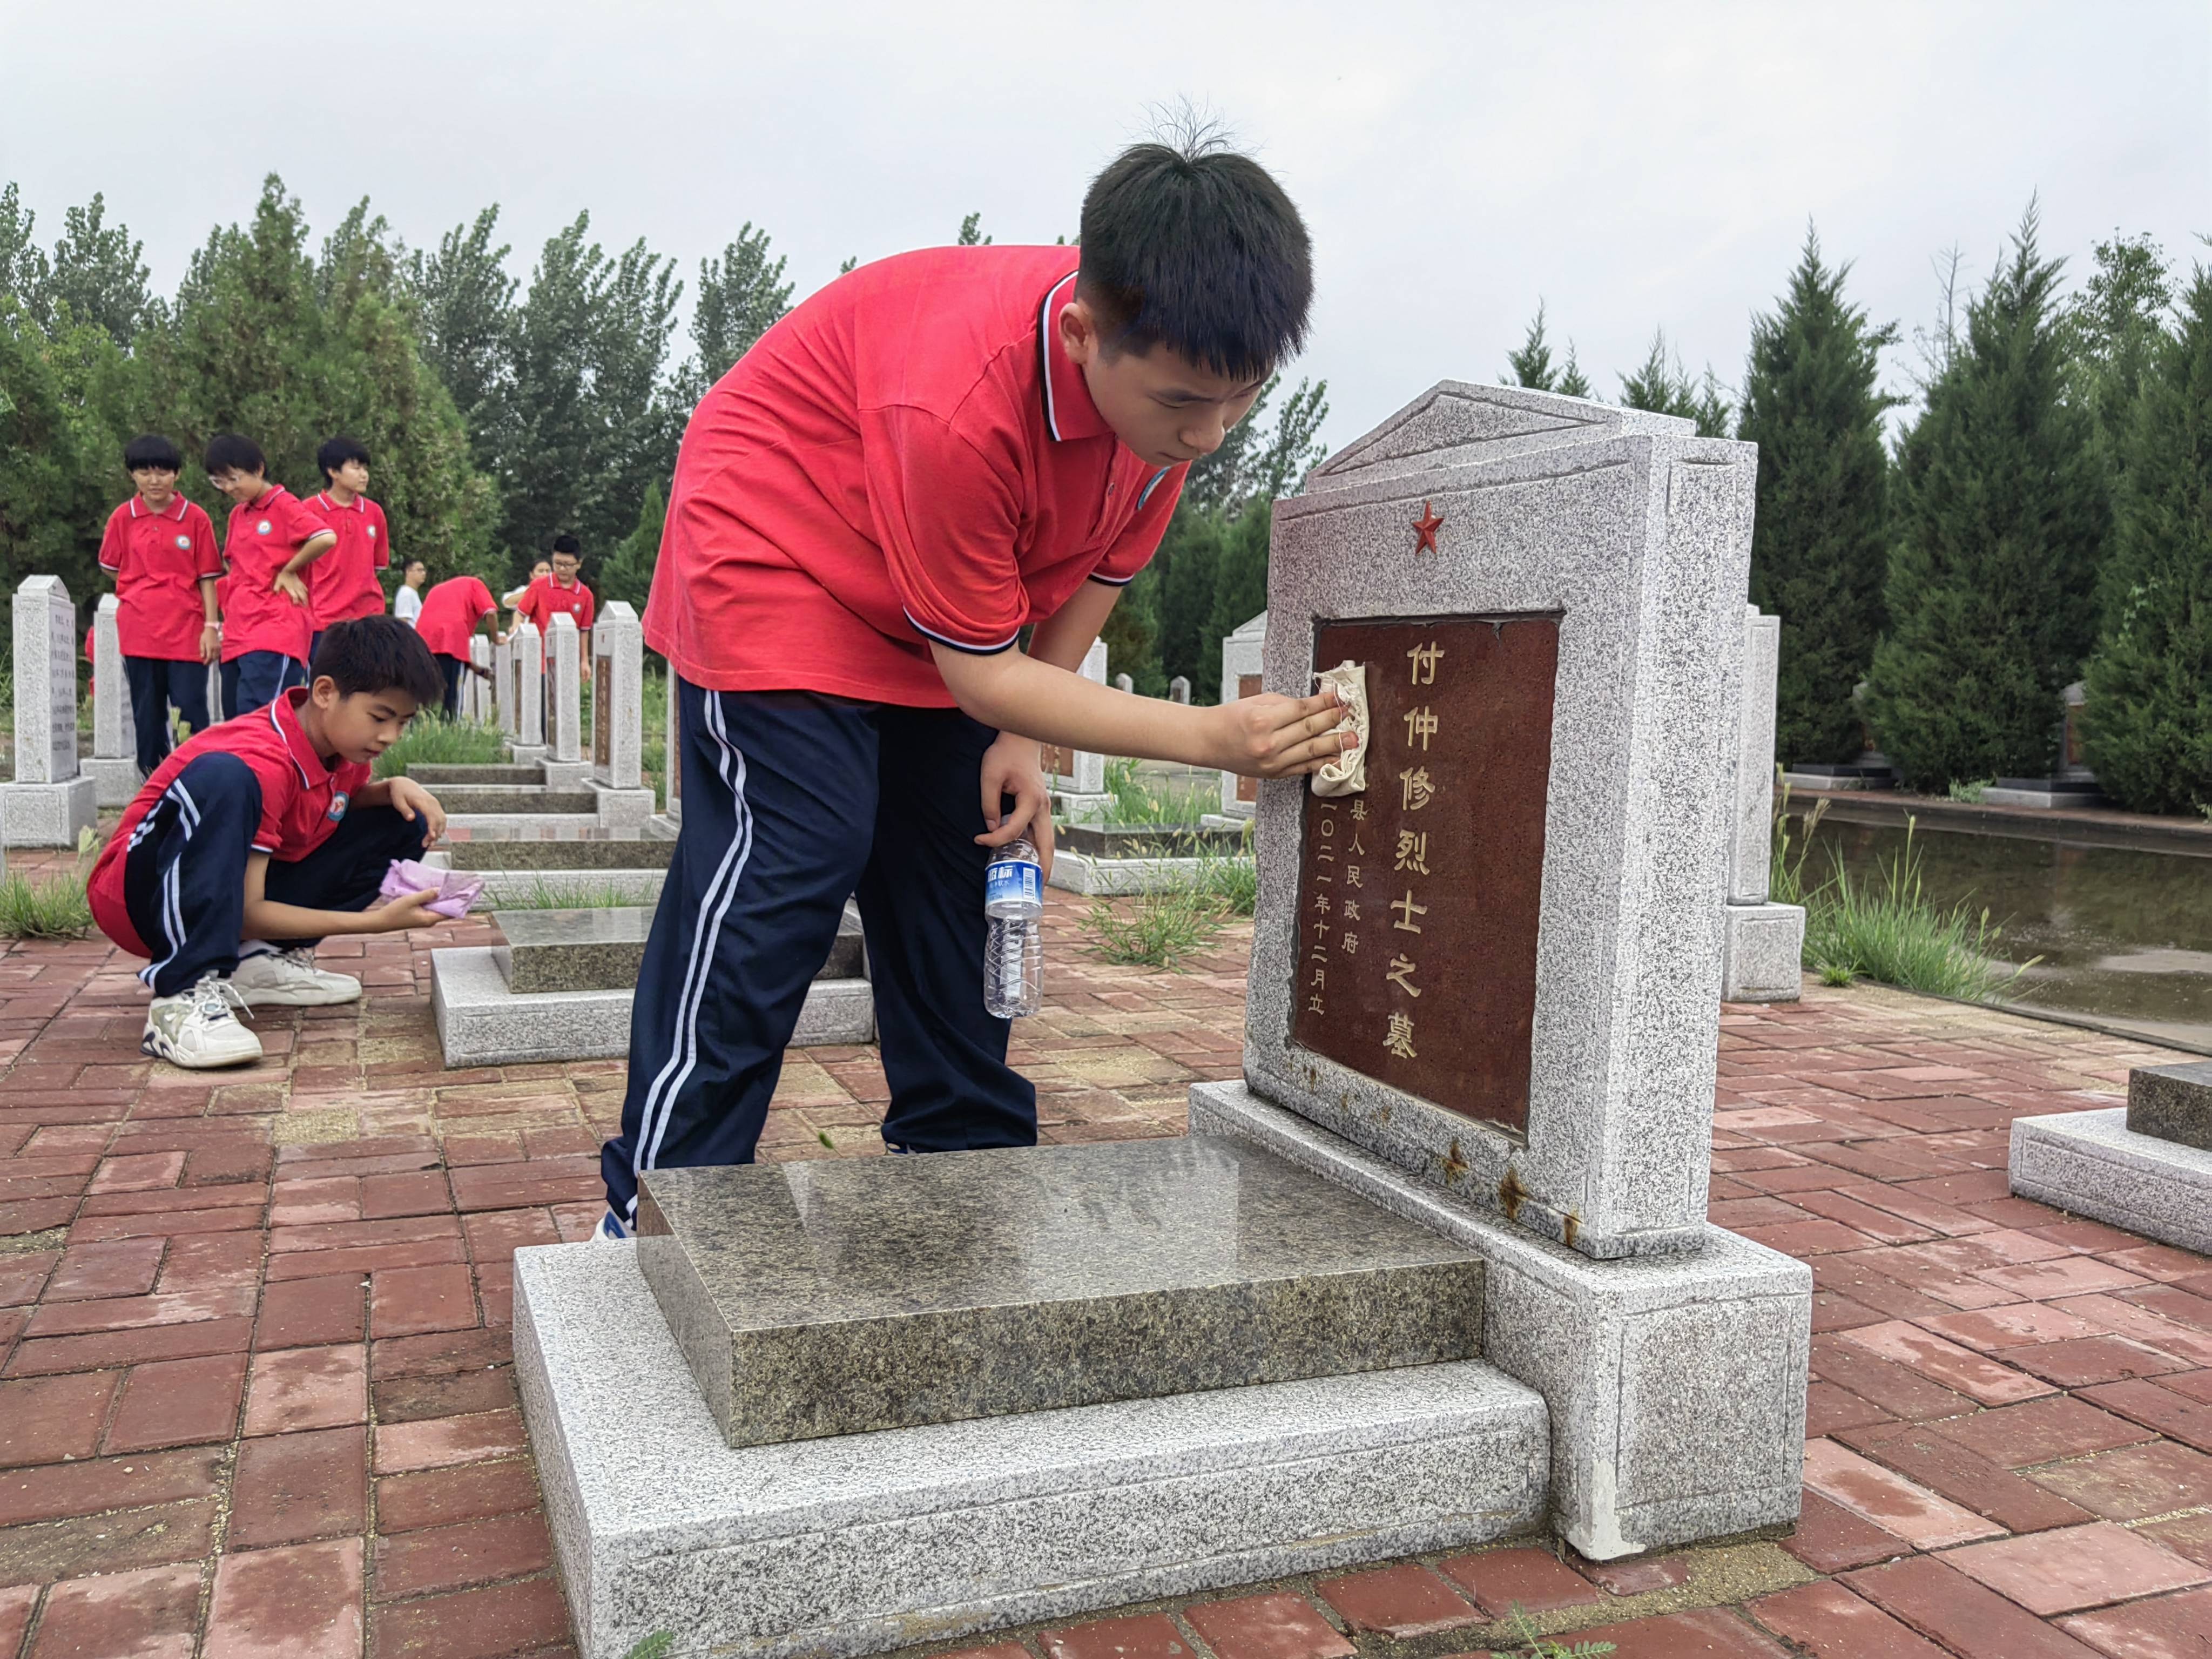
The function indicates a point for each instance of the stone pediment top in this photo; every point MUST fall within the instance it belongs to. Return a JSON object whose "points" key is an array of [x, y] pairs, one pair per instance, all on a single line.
{"points": [[1455, 421], [1252, 627]]}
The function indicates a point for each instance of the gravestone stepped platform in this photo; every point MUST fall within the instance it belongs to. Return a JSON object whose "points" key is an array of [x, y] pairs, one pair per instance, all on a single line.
{"points": [[2146, 1166], [1111, 860], [521, 797], [561, 988], [832, 1407]]}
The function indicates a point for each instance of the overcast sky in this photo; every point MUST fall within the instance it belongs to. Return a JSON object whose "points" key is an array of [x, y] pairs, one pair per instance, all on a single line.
{"points": [[1633, 164]]}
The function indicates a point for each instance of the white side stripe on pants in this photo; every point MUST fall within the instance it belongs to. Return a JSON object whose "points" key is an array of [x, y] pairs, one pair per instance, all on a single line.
{"points": [[173, 909], [683, 1054]]}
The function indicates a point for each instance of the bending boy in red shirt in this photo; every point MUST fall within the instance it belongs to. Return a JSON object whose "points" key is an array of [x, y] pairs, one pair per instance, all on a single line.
{"points": [[159, 548], [269, 543], [342, 584], [262, 835], [928, 456], [450, 613]]}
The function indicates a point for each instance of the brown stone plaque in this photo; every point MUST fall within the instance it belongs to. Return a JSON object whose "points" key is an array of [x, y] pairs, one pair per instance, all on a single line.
{"points": [[603, 711], [1419, 898], [1248, 685]]}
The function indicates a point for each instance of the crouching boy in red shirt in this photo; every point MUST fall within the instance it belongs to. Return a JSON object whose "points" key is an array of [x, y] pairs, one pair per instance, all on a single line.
{"points": [[927, 457], [261, 836]]}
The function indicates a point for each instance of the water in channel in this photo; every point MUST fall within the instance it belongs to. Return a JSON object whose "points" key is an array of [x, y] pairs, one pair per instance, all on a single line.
{"points": [[2124, 935]]}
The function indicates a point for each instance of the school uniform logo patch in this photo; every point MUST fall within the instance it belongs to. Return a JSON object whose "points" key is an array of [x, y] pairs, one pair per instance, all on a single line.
{"points": [[261, 529], [371, 531], [184, 543], [337, 807]]}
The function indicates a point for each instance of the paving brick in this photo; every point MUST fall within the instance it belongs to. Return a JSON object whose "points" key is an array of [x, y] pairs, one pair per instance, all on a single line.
{"points": [[2188, 1535], [438, 1442], [1829, 1408], [475, 1624], [1993, 1330], [138, 1172], [52, 1355], [2154, 1407], [302, 1603], [2036, 1432], [304, 1312], [443, 1353], [1278, 1625], [45, 1419], [126, 1267], [55, 1491], [423, 1563], [2078, 1567], [2091, 1359], [1888, 1500], [2168, 1627], [1944, 1466], [222, 1259], [2072, 1275], [124, 1312], [1988, 1381], [410, 1398], [16, 1603], [1711, 1634], [439, 1498], [2134, 1483], [43, 1551], [1533, 1580], [148, 1614], [309, 1389], [178, 1402], [414, 1301], [1827, 1618], [1402, 1601], [1147, 1636], [1898, 1390], [292, 1487], [1975, 1622]]}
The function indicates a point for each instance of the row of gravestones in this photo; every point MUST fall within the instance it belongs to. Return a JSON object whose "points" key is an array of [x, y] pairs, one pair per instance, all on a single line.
{"points": [[55, 797]]}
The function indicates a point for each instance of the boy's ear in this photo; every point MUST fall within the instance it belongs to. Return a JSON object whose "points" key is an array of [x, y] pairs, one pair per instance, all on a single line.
{"points": [[324, 693]]}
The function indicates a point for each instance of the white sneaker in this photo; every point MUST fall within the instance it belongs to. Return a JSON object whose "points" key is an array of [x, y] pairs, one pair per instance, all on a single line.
{"points": [[196, 1029], [609, 1231], [290, 979]]}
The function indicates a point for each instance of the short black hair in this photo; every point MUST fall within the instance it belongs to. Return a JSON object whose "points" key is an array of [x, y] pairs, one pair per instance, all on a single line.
{"points": [[379, 653], [1191, 245], [336, 452], [564, 543], [152, 449], [229, 452]]}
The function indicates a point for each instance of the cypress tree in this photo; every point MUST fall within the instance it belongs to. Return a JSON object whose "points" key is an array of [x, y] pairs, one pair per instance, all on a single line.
{"points": [[2001, 512], [1818, 543], [2148, 723]]}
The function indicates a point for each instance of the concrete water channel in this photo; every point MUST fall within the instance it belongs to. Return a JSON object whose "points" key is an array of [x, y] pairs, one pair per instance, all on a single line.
{"points": [[2117, 932]]}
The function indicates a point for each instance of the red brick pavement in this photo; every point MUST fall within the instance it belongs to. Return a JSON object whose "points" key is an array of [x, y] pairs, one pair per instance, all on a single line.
{"points": [[256, 1392]]}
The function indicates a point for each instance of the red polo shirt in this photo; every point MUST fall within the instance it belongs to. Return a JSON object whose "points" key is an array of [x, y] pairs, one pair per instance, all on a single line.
{"points": [[908, 456], [545, 596], [259, 541], [303, 800], [157, 560], [451, 611], [342, 584]]}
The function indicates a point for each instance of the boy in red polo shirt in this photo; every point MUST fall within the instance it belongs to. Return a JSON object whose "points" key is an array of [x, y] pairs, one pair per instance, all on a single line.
{"points": [[262, 835], [159, 548], [268, 544], [450, 613], [928, 456], [342, 585], [563, 589]]}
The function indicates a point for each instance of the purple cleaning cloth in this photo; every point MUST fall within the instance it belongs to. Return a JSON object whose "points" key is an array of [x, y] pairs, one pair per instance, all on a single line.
{"points": [[457, 889]]}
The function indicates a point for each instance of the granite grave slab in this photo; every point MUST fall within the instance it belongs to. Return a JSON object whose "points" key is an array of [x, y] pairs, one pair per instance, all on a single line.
{"points": [[602, 948], [2092, 1164], [2172, 1102]]}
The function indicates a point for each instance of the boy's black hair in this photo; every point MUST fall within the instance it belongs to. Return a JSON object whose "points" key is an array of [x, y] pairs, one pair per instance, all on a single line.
{"points": [[152, 449], [379, 653], [336, 452], [229, 452], [564, 543], [1196, 247]]}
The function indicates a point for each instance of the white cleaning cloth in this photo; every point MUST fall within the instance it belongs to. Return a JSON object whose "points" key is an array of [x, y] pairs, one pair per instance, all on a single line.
{"points": [[1347, 774]]}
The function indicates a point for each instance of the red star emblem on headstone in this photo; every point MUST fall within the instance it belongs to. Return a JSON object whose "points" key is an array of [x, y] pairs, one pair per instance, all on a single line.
{"points": [[1427, 526]]}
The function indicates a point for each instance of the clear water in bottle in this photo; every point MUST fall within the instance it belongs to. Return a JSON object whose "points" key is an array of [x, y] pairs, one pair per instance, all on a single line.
{"points": [[1014, 953]]}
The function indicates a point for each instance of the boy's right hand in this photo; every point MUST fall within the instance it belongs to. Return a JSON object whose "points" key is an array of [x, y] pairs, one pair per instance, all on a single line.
{"points": [[1270, 736], [408, 910]]}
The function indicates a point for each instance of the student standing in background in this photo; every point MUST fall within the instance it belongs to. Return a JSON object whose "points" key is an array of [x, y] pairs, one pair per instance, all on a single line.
{"points": [[160, 550], [269, 543], [450, 613], [407, 603], [343, 584]]}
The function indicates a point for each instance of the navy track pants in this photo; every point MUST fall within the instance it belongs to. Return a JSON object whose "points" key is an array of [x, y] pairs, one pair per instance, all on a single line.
{"points": [[792, 801], [258, 678], [183, 874], [157, 685]]}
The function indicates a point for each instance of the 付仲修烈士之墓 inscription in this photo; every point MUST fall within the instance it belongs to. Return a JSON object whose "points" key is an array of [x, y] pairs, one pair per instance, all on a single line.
{"points": [[1418, 899]]}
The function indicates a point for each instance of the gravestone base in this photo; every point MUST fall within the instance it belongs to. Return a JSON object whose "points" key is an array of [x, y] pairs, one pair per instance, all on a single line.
{"points": [[1080, 808], [862, 1543], [1762, 952], [529, 754], [1675, 1385], [2091, 1164], [1097, 878], [567, 775], [47, 814], [2059, 793], [115, 781], [624, 812]]}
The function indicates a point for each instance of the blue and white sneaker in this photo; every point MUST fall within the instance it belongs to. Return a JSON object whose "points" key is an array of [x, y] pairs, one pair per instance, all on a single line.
{"points": [[610, 1230]]}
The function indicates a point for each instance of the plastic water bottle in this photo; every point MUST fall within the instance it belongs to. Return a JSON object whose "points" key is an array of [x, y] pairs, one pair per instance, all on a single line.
{"points": [[1013, 954]]}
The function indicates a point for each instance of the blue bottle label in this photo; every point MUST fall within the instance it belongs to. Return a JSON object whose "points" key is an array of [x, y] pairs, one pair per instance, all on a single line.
{"points": [[1013, 881]]}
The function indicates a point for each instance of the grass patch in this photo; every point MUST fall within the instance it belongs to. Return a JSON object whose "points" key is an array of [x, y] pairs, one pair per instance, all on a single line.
{"points": [[1970, 791], [1138, 802], [431, 739], [50, 906], [1177, 916], [554, 894], [1888, 929]]}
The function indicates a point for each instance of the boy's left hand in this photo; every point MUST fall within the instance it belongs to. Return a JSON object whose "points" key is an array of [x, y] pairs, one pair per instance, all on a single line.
{"points": [[411, 798], [1011, 766], [289, 584]]}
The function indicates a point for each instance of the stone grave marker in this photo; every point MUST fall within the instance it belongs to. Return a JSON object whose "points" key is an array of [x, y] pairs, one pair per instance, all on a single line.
{"points": [[618, 697], [1077, 777], [51, 801], [1124, 683], [1179, 689], [477, 704], [114, 764], [1762, 943], [1243, 656], [529, 692], [2146, 1166], [504, 691], [564, 686]]}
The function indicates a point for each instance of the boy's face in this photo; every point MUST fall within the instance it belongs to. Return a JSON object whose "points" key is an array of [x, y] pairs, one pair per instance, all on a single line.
{"points": [[1166, 409], [353, 475], [155, 484], [416, 574], [361, 726], [243, 487], [540, 571], [565, 565]]}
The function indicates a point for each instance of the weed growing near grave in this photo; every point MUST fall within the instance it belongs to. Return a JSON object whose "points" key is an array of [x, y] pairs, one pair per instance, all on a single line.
{"points": [[553, 894], [431, 739], [49, 907], [658, 1645], [1138, 802], [1969, 791], [1157, 928], [1532, 1644]]}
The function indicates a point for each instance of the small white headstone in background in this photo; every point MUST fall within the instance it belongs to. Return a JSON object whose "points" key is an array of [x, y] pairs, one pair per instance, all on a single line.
{"points": [[114, 763], [1242, 653], [529, 686], [564, 685], [51, 801], [1179, 689], [503, 688], [475, 700], [618, 696], [1124, 683], [1762, 942]]}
